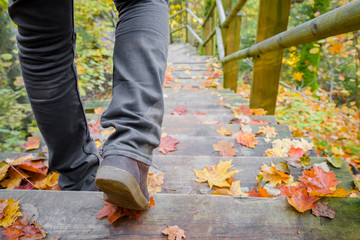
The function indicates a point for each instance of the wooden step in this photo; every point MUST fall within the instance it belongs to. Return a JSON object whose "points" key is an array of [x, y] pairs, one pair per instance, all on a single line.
{"points": [[72, 215]]}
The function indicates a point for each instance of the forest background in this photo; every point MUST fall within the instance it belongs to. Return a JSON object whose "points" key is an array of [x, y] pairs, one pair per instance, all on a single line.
{"points": [[318, 96]]}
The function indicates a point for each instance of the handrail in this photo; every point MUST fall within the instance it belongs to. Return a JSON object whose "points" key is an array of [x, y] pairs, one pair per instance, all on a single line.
{"points": [[233, 12], [220, 43], [341, 20], [190, 12], [221, 11], [195, 34]]}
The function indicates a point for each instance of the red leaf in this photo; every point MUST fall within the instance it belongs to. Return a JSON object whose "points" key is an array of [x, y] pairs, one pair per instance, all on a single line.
{"points": [[296, 152], [244, 110], [20, 230], [319, 182], [199, 113], [95, 128], [34, 166], [167, 144], [179, 111], [32, 143]]}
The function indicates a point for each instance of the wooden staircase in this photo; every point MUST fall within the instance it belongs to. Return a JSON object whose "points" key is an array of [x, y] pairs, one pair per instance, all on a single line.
{"points": [[185, 202]]}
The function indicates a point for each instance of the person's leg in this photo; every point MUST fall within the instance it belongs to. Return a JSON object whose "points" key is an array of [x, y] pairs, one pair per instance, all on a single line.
{"points": [[137, 107], [46, 41]]}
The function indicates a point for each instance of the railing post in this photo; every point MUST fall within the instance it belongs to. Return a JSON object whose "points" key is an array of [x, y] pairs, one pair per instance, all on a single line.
{"points": [[273, 19], [186, 22], [232, 44], [207, 30]]}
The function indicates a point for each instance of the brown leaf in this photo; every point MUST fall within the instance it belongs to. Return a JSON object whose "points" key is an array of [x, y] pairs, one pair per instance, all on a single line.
{"points": [[246, 139], [216, 175], [155, 181], [225, 149], [174, 233], [19, 230], [168, 144], [322, 210], [32, 143], [295, 162]]}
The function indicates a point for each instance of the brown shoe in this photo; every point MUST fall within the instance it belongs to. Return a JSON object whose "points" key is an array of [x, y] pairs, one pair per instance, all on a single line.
{"points": [[124, 182]]}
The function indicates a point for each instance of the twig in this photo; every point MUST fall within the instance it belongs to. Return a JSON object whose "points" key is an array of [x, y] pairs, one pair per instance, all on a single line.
{"points": [[189, 219], [24, 177], [321, 102]]}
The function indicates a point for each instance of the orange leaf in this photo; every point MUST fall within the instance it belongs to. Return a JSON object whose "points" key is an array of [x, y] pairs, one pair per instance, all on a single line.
{"points": [[225, 149], [174, 233], [296, 152], [95, 128], [262, 193], [216, 175], [98, 110], [273, 176], [34, 166], [167, 144], [32, 143], [244, 110], [259, 111], [152, 202], [155, 181], [336, 48], [179, 111], [49, 182], [319, 181], [341, 192], [19, 230], [300, 199], [246, 139], [14, 179]]}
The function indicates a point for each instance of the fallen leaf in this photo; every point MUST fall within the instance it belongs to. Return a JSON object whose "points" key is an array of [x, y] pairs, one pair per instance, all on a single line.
{"points": [[262, 193], [273, 176], [322, 210], [269, 132], [234, 190], [179, 111], [34, 166], [244, 110], [174, 233], [305, 161], [32, 143], [49, 182], [10, 212], [199, 113], [95, 128], [295, 162], [225, 149], [296, 152], [336, 162], [317, 181], [259, 112], [98, 110], [14, 179], [206, 122], [246, 139], [223, 131], [155, 181], [19, 230], [341, 192], [300, 199], [168, 144], [3, 171], [216, 175]]}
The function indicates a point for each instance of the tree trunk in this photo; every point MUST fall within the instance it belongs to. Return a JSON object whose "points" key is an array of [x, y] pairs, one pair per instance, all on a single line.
{"points": [[310, 52]]}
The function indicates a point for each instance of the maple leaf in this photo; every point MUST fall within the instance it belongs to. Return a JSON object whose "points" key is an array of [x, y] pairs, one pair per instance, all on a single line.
{"points": [[216, 175], [296, 152], [223, 131], [155, 182], [246, 139], [317, 181], [49, 182], [32, 143], [341, 192], [174, 233], [274, 152], [9, 212], [168, 144], [98, 110], [19, 230], [273, 176], [257, 121], [322, 210], [3, 171], [262, 193], [225, 149], [14, 178], [179, 111], [259, 111], [95, 128], [269, 132], [336, 48], [300, 199], [33, 166], [298, 76], [295, 162], [234, 190], [168, 79], [244, 110]]}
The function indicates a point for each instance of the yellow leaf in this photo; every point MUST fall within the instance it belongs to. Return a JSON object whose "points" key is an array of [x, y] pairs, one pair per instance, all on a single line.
{"points": [[155, 181], [10, 213], [3, 171], [14, 179], [273, 176], [234, 190], [216, 175], [49, 182], [298, 76], [314, 50], [223, 131]]}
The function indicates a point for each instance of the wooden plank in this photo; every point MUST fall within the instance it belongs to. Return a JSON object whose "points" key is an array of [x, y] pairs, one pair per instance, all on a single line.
{"points": [[273, 19], [208, 50], [179, 177], [232, 44], [72, 215]]}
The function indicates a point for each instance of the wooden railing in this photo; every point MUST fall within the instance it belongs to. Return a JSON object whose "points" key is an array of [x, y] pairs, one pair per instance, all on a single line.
{"points": [[272, 38]]}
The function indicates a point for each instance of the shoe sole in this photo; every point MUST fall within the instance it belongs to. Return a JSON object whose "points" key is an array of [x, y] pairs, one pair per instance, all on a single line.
{"points": [[120, 188]]}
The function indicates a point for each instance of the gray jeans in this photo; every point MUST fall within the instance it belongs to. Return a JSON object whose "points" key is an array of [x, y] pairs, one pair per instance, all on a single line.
{"points": [[46, 40]]}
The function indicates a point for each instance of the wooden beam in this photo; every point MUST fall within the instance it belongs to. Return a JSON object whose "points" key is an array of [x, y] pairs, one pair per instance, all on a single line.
{"points": [[221, 11], [233, 13], [207, 32], [273, 19], [220, 43], [341, 20], [232, 44]]}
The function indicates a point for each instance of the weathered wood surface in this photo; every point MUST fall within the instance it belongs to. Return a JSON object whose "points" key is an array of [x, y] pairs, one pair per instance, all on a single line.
{"points": [[72, 215]]}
